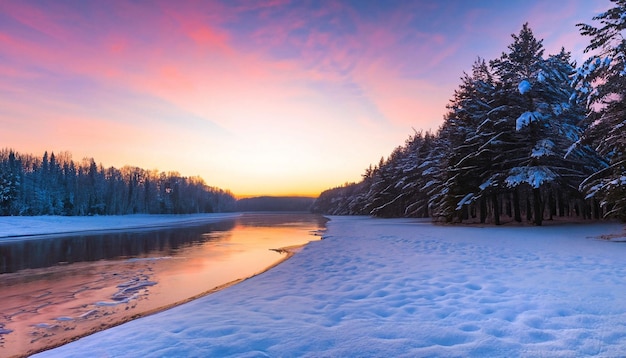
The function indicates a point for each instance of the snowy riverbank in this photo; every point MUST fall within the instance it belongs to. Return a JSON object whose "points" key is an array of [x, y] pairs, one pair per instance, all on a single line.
{"points": [[404, 288], [20, 227]]}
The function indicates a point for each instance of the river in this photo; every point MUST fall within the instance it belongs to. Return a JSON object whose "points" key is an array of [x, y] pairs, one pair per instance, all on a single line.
{"points": [[56, 289]]}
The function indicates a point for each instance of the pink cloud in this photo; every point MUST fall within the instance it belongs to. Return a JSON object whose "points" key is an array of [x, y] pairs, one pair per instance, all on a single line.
{"points": [[323, 57], [191, 59], [45, 22], [15, 73], [117, 45], [261, 4]]}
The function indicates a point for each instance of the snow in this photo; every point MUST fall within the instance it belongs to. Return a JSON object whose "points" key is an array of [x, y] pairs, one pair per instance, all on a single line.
{"points": [[18, 227], [543, 148], [533, 176], [540, 77], [572, 98], [524, 87], [467, 199], [404, 288], [559, 109], [571, 148], [487, 184], [525, 119], [429, 184]]}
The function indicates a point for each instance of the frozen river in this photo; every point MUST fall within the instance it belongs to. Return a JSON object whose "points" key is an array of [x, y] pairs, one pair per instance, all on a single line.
{"points": [[57, 288]]}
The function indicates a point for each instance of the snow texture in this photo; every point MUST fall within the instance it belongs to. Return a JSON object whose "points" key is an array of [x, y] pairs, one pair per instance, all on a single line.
{"points": [[404, 288]]}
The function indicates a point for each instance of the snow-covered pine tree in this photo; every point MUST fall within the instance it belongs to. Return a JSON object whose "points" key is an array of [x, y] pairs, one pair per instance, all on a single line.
{"points": [[514, 72], [433, 169], [10, 171], [468, 158], [558, 151], [411, 200], [605, 74], [383, 195], [506, 145], [393, 188], [401, 194], [70, 184], [418, 148], [536, 124]]}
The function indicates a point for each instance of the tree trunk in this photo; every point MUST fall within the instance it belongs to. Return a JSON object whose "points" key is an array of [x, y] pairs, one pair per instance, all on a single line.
{"points": [[464, 213], [496, 209], [537, 206], [516, 208], [483, 209], [508, 206], [551, 204]]}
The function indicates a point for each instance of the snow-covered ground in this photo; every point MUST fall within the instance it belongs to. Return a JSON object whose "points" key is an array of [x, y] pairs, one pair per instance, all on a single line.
{"points": [[404, 287], [18, 227]]}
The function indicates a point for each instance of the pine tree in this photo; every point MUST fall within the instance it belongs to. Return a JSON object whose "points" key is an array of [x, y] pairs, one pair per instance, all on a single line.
{"points": [[418, 149], [603, 79], [9, 183], [516, 71], [510, 144], [536, 124], [468, 157]]}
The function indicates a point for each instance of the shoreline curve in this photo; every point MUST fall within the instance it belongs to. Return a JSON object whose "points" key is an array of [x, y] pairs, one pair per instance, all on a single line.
{"points": [[287, 252]]}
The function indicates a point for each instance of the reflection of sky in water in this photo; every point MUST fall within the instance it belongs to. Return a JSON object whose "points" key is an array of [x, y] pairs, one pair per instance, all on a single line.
{"points": [[161, 267]]}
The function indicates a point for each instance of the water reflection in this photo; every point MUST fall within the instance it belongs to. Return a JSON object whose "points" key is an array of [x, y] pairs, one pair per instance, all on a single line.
{"points": [[109, 278], [50, 251]]}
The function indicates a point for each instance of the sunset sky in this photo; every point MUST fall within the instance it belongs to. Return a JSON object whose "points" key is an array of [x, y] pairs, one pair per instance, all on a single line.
{"points": [[273, 97]]}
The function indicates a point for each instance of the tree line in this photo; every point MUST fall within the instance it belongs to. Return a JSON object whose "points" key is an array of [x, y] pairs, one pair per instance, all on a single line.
{"points": [[275, 203], [526, 137], [57, 185]]}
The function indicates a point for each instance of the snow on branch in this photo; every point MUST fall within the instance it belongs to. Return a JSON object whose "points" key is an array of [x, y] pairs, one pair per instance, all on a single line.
{"points": [[467, 199], [534, 176], [526, 118], [543, 148], [541, 77], [489, 183], [524, 87]]}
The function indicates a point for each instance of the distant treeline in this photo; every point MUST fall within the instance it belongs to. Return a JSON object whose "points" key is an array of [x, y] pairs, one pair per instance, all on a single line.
{"points": [[273, 203], [526, 137], [56, 185]]}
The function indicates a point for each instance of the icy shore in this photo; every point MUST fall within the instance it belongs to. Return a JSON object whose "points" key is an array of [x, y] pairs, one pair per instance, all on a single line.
{"points": [[22, 227], [404, 287]]}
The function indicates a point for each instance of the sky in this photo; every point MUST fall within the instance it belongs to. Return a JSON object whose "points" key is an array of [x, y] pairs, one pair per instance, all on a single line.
{"points": [[268, 97]]}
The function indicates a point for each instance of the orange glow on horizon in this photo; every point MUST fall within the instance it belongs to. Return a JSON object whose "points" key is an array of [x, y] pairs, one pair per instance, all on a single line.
{"points": [[281, 195]]}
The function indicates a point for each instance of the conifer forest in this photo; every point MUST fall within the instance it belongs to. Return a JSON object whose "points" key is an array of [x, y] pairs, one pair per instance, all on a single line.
{"points": [[526, 137], [56, 185]]}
